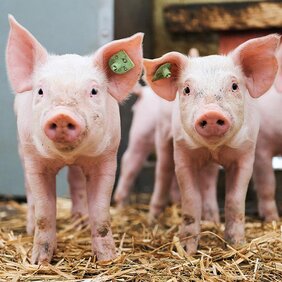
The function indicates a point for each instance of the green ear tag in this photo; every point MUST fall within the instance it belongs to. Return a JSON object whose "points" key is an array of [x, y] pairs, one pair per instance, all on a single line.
{"points": [[162, 72], [120, 63]]}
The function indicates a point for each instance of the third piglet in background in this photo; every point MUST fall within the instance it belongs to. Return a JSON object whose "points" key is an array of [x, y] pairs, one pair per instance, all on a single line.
{"points": [[215, 120], [269, 144]]}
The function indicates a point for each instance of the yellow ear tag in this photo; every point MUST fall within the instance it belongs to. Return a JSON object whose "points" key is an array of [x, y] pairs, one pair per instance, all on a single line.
{"points": [[162, 72], [120, 63]]}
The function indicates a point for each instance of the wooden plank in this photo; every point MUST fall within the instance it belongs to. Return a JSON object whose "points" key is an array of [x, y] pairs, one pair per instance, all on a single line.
{"points": [[223, 16]]}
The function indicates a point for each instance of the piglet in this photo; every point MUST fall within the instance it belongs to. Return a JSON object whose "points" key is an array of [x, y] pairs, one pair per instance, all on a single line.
{"points": [[141, 141], [144, 138], [215, 120], [165, 180], [67, 114], [269, 144]]}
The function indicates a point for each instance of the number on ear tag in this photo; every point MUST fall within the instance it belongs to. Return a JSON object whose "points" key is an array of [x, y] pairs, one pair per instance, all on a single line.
{"points": [[120, 63], [162, 72]]}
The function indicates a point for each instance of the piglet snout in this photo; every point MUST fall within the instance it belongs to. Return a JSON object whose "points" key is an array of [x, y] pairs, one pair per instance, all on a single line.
{"points": [[63, 128], [212, 124]]}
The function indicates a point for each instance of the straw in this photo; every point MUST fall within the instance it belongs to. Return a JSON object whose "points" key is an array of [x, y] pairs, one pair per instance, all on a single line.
{"points": [[145, 253]]}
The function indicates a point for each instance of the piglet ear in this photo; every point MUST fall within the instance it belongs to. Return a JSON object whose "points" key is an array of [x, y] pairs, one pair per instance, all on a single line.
{"points": [[121, 60], [193, 52], [23, 54], [256, 57], [162, 74], [278, 80]]}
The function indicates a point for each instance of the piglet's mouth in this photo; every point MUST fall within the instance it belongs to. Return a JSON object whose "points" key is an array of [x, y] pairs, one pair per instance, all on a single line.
{"points": [[64, 147]]}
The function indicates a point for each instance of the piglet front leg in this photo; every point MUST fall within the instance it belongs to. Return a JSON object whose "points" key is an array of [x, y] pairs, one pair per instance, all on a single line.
{"points": [[30, 217], [100, 178], [191, 201], [238, 175], [42, 183]]}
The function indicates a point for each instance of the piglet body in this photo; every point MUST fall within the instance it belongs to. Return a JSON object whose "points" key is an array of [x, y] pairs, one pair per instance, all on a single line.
{"points": [[215, 121], [269, 144], [67, 114]]}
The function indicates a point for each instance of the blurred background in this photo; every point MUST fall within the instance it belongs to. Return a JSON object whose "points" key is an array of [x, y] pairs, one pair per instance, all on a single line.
{"points": [[81, 26]]}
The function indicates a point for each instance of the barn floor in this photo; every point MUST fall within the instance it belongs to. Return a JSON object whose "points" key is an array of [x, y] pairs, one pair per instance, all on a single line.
{"points": [[146, 254]]}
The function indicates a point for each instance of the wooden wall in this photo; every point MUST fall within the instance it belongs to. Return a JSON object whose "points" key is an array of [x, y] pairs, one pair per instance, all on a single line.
{"points": [[201, 26]]}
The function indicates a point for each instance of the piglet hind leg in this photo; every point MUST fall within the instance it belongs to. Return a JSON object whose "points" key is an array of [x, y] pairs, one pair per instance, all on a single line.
{"points": [[42, 185], [100, 178], [77, 185], [238, 175], [131, 165], [264, 182]]}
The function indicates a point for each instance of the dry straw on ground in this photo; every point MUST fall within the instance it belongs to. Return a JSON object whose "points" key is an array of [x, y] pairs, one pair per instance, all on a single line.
{"points": [[146, 253]]}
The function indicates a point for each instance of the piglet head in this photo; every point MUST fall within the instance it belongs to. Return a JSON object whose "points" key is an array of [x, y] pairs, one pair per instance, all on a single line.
{"points": [[74, 98], [213, 91]]}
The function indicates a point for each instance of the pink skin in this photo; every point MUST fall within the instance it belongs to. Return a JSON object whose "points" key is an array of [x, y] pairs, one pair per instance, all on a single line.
{"points": [[61, 122], [208, 183], [164, 171], [144, 130], [230, 83], [174, 193], [149, 130], [63, 128], [141, 141], [268, 145], [30, 217], [212, 125], [166, 187], [77, 185]]}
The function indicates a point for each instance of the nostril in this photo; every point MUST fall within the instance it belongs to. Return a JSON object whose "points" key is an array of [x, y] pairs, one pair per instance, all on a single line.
{"points": [[220, 122], [203, 123], [70, 126], [53, 125]]}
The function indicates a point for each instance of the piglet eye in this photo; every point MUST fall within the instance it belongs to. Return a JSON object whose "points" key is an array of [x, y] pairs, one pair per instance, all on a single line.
{"points": [[186, 90], [235, 86], [40, 92], [94, 91]]}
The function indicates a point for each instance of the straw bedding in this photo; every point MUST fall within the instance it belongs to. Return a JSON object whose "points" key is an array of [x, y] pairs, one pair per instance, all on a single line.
{"points": [[145, 253]]}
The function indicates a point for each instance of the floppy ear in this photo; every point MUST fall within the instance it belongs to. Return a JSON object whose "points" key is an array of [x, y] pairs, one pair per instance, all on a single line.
{"points": [[278, 80], [257, 59], [122, 62], [162, 74], [23, 53]]}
